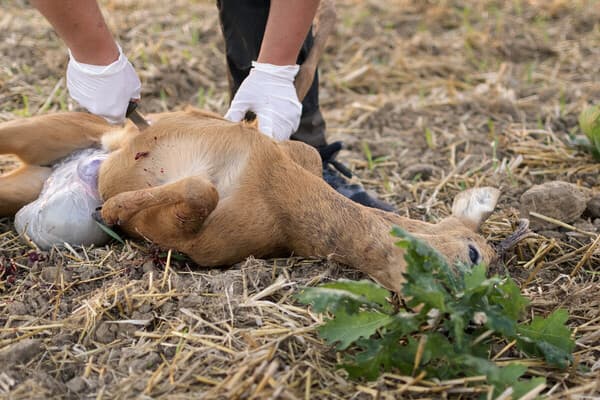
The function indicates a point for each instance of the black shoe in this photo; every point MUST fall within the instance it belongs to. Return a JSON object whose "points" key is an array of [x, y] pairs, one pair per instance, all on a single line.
{"points": [[332, 174]]}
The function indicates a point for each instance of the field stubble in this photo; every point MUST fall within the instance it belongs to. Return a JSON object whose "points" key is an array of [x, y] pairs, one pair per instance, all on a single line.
{"points": [[429, 97]]}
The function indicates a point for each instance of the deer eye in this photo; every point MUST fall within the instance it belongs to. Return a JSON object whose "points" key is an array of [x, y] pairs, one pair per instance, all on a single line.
{"points": [[474, 254]]}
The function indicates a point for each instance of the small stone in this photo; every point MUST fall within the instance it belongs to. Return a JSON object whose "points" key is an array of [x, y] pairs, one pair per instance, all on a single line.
{"points": [[593, 207], [147, 362], [148, 266], [77, 384], [584, 225], [144, 308], [55, 274], [422, 172], [192, 301], [90, 273], [21, 352], [62, 339], [168, 308], [562, 201], [17, 308], [106, 333], [179, 283]]}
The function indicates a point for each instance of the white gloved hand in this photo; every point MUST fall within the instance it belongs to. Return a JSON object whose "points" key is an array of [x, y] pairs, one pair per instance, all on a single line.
{"points": [[104, 90], [269, 92]]}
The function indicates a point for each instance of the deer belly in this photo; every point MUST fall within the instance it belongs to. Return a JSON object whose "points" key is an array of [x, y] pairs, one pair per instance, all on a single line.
{"points": [[190, 158], [63, 211]]}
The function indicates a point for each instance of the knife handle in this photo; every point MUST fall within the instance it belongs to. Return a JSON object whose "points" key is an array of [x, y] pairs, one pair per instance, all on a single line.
{"points": [[131, 108]]}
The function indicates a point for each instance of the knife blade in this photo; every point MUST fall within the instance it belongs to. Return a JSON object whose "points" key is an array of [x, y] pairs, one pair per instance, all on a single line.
{"points": [[135, 116]]}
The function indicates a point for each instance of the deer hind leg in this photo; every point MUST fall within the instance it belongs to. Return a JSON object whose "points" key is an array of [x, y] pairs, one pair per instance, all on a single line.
{"points": [[20, 187], [38, 142], [304, 155], [44, 139], [164, 214]]}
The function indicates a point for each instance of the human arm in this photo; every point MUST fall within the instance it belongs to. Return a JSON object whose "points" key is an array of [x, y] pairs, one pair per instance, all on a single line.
{"points": [[99, 76], [288, 24], [81, 26], [269, 89]]}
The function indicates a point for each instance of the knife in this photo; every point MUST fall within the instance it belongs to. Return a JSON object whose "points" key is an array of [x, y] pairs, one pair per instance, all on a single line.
{"points": [[135, 116]]}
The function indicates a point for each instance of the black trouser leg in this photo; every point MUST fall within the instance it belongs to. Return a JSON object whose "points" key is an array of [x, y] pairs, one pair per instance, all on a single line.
{"points": [[243, 24]]}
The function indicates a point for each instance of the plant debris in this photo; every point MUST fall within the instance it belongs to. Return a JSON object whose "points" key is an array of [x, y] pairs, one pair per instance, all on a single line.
{"points": [[482, 92]]}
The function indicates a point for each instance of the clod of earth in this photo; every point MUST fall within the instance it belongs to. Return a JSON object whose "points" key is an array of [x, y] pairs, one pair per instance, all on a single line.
{"points": [[421, 172], [593, 207], [77, 384], [17, 308], [54, 274], [20, 352], [562, 201]]}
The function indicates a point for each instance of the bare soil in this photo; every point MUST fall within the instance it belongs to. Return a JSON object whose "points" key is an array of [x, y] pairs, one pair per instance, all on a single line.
{"points": [[444, 95]]}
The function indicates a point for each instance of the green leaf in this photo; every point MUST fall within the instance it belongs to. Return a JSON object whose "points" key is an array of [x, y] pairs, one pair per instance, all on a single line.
{"points": [[589, 122], [508, 296], [371, 292], [385, 352], [499, 322], [506, 375], [110, 232], [368, 155], [478, 286], [548, 337], [429, 138], [417, 250], [498, 376], [502, 377], [332, 300], [457, 325], [437, 346], [425, 275], [475, 278], [346, 328], [346, 294], [376, 354], [521, 388], [425, 290], [424, 258]]}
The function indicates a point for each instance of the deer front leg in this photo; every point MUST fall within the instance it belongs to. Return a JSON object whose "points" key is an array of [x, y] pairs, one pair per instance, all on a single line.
{"points": [[163, 213], [43, 139], [322, 222]]}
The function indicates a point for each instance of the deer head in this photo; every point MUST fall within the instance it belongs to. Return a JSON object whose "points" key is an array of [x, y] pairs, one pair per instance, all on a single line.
{"points": [[455, 237]]}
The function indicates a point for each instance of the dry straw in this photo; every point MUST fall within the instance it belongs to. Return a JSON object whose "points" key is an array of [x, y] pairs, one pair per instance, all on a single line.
{"points": [[455, 94]]}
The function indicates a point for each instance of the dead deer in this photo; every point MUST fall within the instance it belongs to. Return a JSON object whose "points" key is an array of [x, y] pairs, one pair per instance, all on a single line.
{"points": [[220, 191]]}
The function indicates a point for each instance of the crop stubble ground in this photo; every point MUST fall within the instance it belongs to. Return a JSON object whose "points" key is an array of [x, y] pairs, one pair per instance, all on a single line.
{"points": [[451, 94]]}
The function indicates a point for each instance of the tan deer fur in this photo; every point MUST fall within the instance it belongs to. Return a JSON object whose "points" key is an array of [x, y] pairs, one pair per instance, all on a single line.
{"points": [[220, 191]]}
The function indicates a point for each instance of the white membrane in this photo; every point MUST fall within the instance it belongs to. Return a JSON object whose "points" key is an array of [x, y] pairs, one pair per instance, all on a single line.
{"points": [[63, 211]]}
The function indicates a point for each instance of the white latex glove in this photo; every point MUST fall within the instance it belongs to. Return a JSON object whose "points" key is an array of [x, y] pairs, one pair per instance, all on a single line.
{"points": [[104, 90], [269, 92]]}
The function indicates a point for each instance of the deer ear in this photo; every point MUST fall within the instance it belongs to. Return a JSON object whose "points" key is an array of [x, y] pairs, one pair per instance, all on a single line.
{"points": [[474, 206]]}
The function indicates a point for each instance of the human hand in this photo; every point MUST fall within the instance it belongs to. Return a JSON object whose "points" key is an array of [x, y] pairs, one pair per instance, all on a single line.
{"points": [[269, 92], [104, 90]]}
